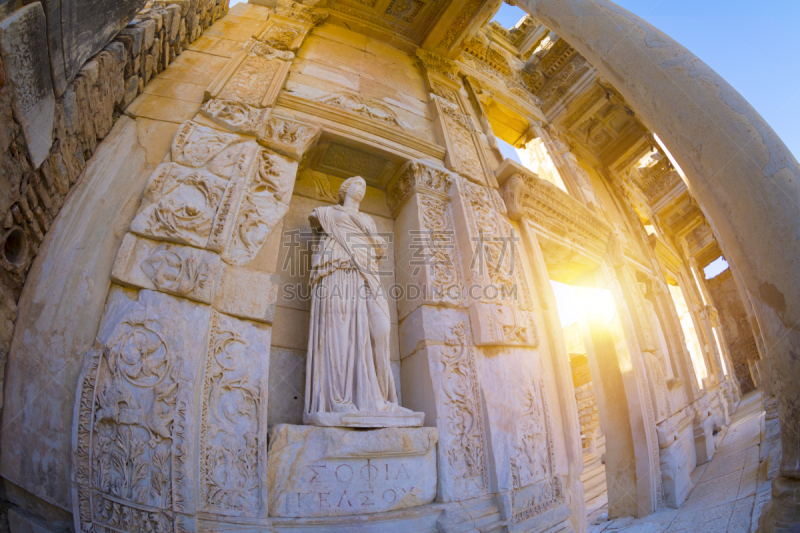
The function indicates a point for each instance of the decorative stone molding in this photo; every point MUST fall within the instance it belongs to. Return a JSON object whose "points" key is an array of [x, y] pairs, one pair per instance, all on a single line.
{"points": [[254, 76], [441, 65], [552, 209], [421, 177], [365, 106]]}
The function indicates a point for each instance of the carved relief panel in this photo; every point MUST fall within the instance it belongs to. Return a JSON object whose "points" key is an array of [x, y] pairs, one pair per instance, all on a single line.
{"points": [[463, 454], [234, 418], [136, 419], [419, 196], [498, 290], [254, 76], [453, 121]]}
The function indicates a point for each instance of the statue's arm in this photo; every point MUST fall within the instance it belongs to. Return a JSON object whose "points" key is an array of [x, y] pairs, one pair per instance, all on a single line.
{"points": [[314, 220]]}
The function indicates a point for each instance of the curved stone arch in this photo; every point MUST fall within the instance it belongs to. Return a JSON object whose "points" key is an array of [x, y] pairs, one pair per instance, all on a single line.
{"points": [[735, 165]]}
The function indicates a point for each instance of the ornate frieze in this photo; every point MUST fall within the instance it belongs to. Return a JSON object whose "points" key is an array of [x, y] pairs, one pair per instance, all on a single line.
{"points": [[365, 106], [553, 210]]}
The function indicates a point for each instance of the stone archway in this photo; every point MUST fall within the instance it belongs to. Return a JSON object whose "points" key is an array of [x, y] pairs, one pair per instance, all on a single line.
{"points": [[735, 165]]}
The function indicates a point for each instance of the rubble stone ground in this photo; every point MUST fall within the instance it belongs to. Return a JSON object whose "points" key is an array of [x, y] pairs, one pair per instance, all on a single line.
{"points": [[729, 491]]}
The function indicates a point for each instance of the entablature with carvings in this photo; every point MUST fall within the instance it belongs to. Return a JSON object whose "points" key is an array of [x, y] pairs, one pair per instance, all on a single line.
{"points": [[551, 210]]}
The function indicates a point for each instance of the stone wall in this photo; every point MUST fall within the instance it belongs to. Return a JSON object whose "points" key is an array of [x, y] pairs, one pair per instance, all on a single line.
{"points": [[736, 327], [44, 146]]}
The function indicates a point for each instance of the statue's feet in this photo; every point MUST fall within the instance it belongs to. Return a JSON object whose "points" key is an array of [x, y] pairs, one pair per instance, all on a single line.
{"points": [[344, 408]]}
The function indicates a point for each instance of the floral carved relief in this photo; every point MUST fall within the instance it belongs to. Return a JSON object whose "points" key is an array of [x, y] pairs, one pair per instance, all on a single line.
{"points": [[264, 203], [231, 465], [442, 258], [465, 447], [133, 420]]}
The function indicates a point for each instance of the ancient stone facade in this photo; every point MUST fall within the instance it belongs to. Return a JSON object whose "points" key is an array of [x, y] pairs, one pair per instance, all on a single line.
{"points": [[158, 261]]}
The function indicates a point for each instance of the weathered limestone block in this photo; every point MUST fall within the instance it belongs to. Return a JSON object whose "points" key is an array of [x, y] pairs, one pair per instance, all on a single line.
{"points": [[247, 293], [678, 457], [316, 471], [23, 46], [704, 441], [171, 268]]}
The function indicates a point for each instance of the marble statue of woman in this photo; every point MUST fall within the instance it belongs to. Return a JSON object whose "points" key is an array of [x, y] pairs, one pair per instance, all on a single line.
{"points": [[349, 378]]}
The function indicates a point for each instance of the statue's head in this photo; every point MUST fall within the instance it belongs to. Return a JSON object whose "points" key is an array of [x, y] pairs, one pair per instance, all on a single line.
{"points": [[643, 287], [354, 187]]}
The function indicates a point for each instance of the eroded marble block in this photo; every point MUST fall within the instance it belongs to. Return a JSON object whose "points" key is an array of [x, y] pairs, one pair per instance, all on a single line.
{"points": [[183, 205], [501, 325], [167, 267], [675, 474], [316, 471], [247, 293]]}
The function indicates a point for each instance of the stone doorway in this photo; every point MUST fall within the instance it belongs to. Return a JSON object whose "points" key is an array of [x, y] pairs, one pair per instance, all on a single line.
{"points": [[606, 389]]}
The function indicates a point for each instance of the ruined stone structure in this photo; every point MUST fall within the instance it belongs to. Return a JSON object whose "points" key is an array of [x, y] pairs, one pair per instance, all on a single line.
{"points": [[169, 365]]}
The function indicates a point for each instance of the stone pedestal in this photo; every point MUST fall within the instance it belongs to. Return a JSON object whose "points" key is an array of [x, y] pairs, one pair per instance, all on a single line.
{"points": [[368, 419], [675, 474], [704, 440], [326, 471]]}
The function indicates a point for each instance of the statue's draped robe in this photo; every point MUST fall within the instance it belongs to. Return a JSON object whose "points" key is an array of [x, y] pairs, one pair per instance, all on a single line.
{"points": [[346, 370]]}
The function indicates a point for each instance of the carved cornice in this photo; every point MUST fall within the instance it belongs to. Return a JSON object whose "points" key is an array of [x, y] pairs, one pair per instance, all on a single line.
{"points": [[310, 15], [544, 204], [357, 127], [508, 89], [438, 64]]}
